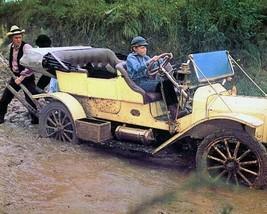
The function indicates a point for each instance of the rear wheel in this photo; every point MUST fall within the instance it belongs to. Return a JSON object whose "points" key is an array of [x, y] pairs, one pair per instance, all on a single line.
{"points": [[56, 122], [233, 156]]}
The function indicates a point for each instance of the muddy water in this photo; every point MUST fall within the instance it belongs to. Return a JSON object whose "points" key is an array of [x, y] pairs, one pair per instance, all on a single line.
{"points": [[43, 176]]}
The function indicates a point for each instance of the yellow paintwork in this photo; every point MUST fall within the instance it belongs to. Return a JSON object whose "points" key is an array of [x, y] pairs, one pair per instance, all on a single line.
{"points": [[127, 94], [200, 101], [121, 111], [79, 84], [73, 83]]}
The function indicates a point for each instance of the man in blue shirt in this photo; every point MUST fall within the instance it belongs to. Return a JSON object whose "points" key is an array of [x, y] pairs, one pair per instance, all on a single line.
{"points": [[137, 63]]}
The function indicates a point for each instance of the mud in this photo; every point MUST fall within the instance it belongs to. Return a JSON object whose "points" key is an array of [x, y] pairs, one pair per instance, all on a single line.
{"points": [[45, 176]]}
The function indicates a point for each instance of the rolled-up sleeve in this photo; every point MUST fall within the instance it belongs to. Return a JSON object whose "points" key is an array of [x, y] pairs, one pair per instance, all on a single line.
{"points": [[26, 72]]}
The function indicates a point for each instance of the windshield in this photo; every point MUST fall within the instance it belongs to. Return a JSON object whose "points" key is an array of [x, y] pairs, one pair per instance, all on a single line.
{"points": [[211, 66]]}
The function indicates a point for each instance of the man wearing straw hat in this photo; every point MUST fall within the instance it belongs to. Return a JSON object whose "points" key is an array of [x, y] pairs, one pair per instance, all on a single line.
{"points": [[24, 75]]}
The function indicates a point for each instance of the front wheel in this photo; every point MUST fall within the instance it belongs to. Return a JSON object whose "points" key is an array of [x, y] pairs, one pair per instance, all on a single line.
{"points": [[56, 122], [233, 156]]}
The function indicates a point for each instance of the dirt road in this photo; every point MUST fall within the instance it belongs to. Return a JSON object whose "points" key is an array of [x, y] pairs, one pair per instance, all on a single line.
{"points": [[44, 176]]}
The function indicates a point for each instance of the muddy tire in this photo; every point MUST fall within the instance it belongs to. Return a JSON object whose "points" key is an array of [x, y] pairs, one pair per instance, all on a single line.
{"points": [[234, 157], [56, 122]]}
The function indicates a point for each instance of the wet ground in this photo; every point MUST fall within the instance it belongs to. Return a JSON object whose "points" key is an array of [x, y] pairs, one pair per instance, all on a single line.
{"points": [[45, 176]]}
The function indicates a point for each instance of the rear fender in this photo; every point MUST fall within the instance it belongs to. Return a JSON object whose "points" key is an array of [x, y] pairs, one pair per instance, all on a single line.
{"points": [[69, 101]]}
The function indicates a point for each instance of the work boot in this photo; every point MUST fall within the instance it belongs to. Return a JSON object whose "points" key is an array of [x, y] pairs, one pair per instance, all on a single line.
{"points": [[34, 119], [174, 114], [2, 119]]}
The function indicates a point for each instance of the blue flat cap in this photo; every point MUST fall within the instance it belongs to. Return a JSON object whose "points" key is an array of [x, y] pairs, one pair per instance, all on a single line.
{"points": [[139, 41]]}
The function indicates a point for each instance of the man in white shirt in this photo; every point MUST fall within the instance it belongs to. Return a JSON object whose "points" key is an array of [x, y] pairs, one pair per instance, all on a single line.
{"points": [[24, 75]]}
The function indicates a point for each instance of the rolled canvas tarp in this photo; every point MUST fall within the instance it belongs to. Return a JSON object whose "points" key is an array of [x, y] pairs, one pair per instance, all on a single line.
{"points": [[33, 58]]}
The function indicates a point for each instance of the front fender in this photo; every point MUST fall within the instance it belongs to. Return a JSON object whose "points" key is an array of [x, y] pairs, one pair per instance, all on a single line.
{"points": [[248, 120], [206, 126], [69, 101]]}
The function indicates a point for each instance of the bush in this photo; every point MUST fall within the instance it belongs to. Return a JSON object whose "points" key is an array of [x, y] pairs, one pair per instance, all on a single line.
{"points": [[180, 27]]}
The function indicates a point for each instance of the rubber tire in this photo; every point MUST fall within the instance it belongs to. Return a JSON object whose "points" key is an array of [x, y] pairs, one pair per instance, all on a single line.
{"points": [[44, 123], [244, 138]]}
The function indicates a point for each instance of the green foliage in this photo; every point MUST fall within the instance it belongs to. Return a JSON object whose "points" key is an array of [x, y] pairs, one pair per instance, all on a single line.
{"points": [[177, 26], [227, 209], [221, 24]]}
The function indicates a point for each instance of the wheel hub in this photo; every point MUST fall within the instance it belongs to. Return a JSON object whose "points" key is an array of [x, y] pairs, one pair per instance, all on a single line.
{"points": [[232, 166], [59, 128]]}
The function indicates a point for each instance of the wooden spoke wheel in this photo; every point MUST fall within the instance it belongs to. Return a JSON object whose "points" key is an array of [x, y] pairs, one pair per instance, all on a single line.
{"points": [[234, 157], [56, 122]]}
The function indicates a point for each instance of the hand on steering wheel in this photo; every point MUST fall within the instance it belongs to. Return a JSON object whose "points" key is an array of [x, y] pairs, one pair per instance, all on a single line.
{"points": [[166, 57]]}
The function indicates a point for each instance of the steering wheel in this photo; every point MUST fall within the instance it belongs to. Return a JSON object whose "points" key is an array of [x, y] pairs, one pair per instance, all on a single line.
{"points": [[166, 58]]}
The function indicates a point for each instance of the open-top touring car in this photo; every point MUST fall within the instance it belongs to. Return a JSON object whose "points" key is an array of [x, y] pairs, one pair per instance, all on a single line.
{"points": [[97, 101]]}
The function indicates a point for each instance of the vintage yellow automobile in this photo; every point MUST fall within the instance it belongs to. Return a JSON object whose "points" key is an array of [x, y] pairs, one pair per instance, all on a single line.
{"points": [[100, 102]]}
